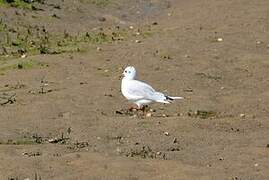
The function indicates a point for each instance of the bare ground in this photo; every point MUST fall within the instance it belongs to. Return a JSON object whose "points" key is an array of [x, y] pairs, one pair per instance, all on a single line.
{"points": [[65, 120]]}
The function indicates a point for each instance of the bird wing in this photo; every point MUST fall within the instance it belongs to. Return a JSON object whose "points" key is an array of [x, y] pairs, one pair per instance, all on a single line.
{"points": [[140, 90]]}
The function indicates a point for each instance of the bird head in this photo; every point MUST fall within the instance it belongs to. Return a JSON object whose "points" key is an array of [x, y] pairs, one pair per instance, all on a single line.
{"points": [[129, 72]]}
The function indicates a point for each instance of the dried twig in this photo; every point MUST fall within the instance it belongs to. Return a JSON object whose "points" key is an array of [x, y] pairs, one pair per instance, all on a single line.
{"points": [[7, 99]]}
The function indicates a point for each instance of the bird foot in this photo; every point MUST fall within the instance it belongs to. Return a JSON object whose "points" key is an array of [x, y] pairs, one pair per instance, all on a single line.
{"points": [[137, 108]]}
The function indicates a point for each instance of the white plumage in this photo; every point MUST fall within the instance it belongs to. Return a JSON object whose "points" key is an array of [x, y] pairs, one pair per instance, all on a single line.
{"points": [[139, 92]]}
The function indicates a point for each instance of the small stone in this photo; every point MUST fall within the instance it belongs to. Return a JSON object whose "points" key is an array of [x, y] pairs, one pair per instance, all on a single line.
{"points": [[258, 42], [221, 158], [106, 70], [137, 41], [256, 164], [186, 56], [219, 39], [52, 140], [158, 153], [134, 109], [131, 27], [23, 56], [152, 110], [242, 115], [175, 140], [99, 138], [148, 115], [31, 92], [164, 115], [26, 178], [208, 165], [98, 49], [169, 14], [154, 23], [166, 133], [221, 88], [267, 145], [137, 33]]}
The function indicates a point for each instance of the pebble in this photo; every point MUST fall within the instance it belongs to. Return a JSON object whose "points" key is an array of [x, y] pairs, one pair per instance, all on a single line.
{"points": [[131, 27], [23, 56], [166, 133], [148, 115], [137, 41], [98, 49], [242, 115], [164, 115], [219, 39], [256, 164], [134, 110]]}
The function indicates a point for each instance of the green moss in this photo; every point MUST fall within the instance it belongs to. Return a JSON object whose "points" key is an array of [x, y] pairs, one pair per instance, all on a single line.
{"points": [[23, 141], [147, 34], [16, 3], [202, 114], [21, 64]]}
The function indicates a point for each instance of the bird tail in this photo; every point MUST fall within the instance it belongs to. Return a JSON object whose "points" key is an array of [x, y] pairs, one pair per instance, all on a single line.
{"points": [[173, 98], [161, 98]]}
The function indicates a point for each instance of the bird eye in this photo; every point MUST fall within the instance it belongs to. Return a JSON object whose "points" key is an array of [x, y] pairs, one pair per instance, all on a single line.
{"points": [[125, 71]]}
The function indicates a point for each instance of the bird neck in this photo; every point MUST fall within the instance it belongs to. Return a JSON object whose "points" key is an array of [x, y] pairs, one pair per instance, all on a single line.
{"points": [[128, 78]]}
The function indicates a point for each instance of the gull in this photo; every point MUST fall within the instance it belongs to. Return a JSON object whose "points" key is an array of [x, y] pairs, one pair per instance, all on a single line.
{"points": [[139, 92]]}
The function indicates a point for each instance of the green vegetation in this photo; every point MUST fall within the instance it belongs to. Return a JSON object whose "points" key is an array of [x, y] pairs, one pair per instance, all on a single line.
{"points": [[23, 141], [202, 114], [16, 3], [20, 64], [37, 40]]}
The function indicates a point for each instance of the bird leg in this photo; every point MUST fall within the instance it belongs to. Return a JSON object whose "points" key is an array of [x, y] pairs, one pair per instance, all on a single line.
{"points": [[144, 109]]}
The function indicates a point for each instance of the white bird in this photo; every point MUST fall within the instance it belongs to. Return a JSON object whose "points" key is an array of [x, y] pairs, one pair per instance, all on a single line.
{"points": [[139, 92]]}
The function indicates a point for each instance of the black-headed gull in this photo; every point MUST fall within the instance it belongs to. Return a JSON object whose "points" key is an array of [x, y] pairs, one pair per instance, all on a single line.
{"points": [[139, 92]]}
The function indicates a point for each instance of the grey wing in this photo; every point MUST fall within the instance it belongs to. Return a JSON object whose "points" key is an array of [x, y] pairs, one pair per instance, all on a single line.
{"points": [[141, 90]]}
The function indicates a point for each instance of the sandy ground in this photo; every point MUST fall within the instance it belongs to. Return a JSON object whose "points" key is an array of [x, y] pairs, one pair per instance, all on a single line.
{"points": [[65, 120]]}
